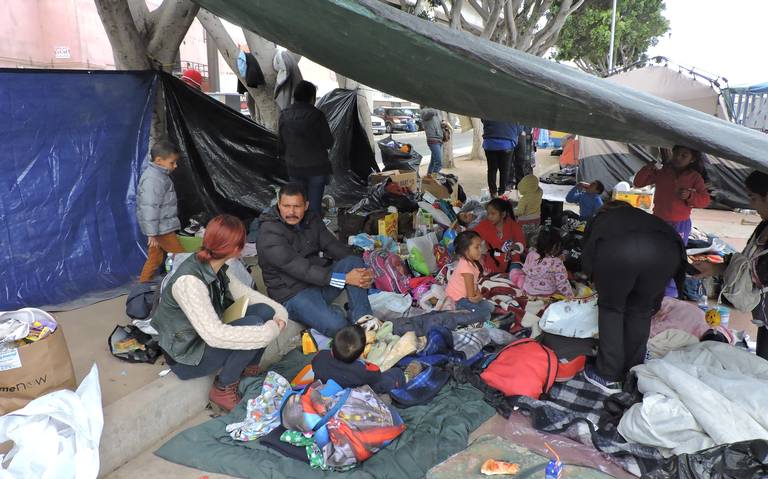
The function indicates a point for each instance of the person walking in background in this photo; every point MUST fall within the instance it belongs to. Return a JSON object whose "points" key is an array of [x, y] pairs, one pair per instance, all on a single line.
{"points": [[156, 207], [499, 141], [433, 129], [304, 139]]}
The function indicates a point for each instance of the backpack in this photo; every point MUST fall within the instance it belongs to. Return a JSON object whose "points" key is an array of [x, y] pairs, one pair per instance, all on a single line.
{"points": [[523, 368], [389, 273], [142, 299], [738, 285]]}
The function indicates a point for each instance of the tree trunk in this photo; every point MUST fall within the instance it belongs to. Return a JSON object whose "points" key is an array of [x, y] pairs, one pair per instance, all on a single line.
{"points": [[477, 140], [128, 46], [448, 145], [264, 96]]}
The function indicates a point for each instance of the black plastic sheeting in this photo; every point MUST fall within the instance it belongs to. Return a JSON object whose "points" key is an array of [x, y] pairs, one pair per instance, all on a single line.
{"points": [[394, 159], [740, 460], [230, 165], [352, 156]]}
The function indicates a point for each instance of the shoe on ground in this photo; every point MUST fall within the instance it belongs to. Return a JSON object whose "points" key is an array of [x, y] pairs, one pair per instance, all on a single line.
{"points": [[591, 375], [224, 397]]}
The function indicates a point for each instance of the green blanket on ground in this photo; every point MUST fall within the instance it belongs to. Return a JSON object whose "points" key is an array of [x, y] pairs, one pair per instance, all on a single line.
{"points": [[434, 432]]}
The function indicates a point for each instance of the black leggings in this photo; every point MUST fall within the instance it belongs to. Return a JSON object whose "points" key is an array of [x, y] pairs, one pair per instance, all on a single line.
{"points": [[762, 342], [630, 275], [498, 160]]}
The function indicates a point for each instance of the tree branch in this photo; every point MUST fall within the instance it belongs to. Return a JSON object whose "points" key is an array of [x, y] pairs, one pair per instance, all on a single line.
{"points": [[128, 47], [173, 19], [509, 17], [493, 21], [141, 18], [476, 6], [456, 16]]}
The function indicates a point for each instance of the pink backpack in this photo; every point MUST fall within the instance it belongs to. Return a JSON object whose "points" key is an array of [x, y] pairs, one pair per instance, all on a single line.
{"points": [[389, 272]]}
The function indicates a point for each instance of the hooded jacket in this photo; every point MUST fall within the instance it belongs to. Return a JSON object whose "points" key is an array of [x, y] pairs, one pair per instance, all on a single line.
{"points": [[289, 256], [531, 195], [432, 123], [156, 206], [304, 138]]}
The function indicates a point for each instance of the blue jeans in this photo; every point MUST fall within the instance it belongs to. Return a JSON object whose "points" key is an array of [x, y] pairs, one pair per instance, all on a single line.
{"points": [[312, 306], [683, 228], [436, 159], [315, 187], [483, 307], [232, 362]]}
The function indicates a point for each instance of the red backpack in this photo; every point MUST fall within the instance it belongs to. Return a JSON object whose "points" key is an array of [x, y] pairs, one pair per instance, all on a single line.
{"points": [[523, 368], [389, 272]]}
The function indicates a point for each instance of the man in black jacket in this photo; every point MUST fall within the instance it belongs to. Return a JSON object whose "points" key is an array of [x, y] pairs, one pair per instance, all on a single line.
{"points": [[304, 138], [305, 267]]}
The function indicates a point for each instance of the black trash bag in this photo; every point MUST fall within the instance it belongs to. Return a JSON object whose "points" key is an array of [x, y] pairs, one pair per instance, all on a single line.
{"points": [[394, 159], [740, 460], [378, 198], [142, 298], [131, 344]]}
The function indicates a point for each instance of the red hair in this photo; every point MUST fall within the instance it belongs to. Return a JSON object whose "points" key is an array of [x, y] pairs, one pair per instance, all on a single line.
{"points": [[224, 235]]}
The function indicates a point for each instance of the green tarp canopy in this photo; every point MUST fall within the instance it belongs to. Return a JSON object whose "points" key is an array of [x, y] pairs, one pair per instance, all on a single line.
{"points": [[399, 53]]}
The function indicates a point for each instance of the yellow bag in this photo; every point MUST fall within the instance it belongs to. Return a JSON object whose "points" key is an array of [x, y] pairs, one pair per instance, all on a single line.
{"points": [[308, 344]]}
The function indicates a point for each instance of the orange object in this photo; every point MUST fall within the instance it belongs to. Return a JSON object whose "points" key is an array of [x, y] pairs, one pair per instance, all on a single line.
{"points": [[492, 467], [570, 155]]}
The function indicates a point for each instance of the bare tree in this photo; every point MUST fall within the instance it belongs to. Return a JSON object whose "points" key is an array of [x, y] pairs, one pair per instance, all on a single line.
{"points": [[143, 40], [531, 26]]}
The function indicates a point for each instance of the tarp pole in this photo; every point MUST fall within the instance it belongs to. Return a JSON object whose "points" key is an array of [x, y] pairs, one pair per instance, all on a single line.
{"points": [[613, 35]]}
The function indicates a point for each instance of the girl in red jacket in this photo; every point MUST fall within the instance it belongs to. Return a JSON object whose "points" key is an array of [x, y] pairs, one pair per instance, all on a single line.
{"points": [[679, 188], [497, 229]]}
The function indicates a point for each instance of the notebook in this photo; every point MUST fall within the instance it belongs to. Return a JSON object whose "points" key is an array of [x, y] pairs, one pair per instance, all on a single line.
{"points": [[235, 311]]}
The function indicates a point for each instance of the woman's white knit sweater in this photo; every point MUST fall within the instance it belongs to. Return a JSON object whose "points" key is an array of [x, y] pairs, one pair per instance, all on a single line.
{"points": [[192, 296]]}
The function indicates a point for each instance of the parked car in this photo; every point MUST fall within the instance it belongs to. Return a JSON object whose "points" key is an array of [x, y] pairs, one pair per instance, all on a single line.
{"points": [[377, 125], [395, 119], [416, 115]]}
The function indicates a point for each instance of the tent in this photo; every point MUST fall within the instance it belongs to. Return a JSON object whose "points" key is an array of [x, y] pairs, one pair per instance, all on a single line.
{"points": [[611, 161], [749, 105], [487, 80]]}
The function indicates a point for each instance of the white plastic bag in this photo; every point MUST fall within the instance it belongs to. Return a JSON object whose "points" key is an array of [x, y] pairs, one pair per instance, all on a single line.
{"points": [[572, 319], [426, 246], [56, 436]]}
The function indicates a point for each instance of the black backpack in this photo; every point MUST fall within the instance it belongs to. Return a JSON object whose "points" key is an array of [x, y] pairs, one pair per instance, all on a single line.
{"points": [[142, 299]]}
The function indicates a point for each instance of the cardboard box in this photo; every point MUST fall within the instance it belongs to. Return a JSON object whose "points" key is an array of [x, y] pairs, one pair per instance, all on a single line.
{"points": [[635, 198], [404, 178], [35, 369], [439, 191]]}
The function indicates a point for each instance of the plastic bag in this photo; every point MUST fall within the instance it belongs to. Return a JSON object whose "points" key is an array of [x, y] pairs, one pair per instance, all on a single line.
{"points": [[422, 248], [572, 319], [743, 460], [56, 436]]}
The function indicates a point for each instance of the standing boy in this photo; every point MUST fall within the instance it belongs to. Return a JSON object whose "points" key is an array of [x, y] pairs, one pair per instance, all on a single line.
{"points": [[156, 207], [588, 196]]}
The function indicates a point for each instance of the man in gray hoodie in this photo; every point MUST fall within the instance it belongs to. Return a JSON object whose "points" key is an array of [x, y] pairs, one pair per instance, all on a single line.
{"points": [[433, 129]]}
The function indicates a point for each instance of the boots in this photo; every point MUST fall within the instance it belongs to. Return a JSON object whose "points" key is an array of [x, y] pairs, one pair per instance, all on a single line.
{"points": [[225, 397], [251, 371]]}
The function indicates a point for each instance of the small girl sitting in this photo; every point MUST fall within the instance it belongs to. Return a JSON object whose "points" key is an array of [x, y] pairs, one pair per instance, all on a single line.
{"points": [[545, 273], [463, 286]]}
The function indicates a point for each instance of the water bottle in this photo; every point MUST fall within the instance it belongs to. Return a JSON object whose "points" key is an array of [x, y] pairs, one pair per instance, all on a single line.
{"points": [[703, 302], [169, 263]]}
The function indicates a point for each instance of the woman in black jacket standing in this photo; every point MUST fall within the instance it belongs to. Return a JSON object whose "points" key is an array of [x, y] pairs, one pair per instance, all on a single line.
{"points": [[757, 189], [631, 255]]}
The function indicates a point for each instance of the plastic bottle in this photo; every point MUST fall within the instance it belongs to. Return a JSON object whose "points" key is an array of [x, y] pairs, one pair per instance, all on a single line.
{"points": [[704, 302]]}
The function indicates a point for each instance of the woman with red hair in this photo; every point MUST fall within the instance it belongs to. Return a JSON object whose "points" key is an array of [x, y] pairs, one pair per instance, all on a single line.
{"points": [[189, 317]]}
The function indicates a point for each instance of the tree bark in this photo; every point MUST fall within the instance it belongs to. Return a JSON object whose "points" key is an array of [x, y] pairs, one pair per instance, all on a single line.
{"points": [[264, 96], [128, 46], [477, 140]]}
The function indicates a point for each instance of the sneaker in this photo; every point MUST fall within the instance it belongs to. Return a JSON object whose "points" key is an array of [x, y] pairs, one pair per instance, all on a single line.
{"points": [[591, 375], [223, 396], [369, 322]]}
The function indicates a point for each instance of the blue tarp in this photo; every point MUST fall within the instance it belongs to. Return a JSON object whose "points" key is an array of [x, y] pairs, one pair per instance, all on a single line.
{"points": [[72, 148]]}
